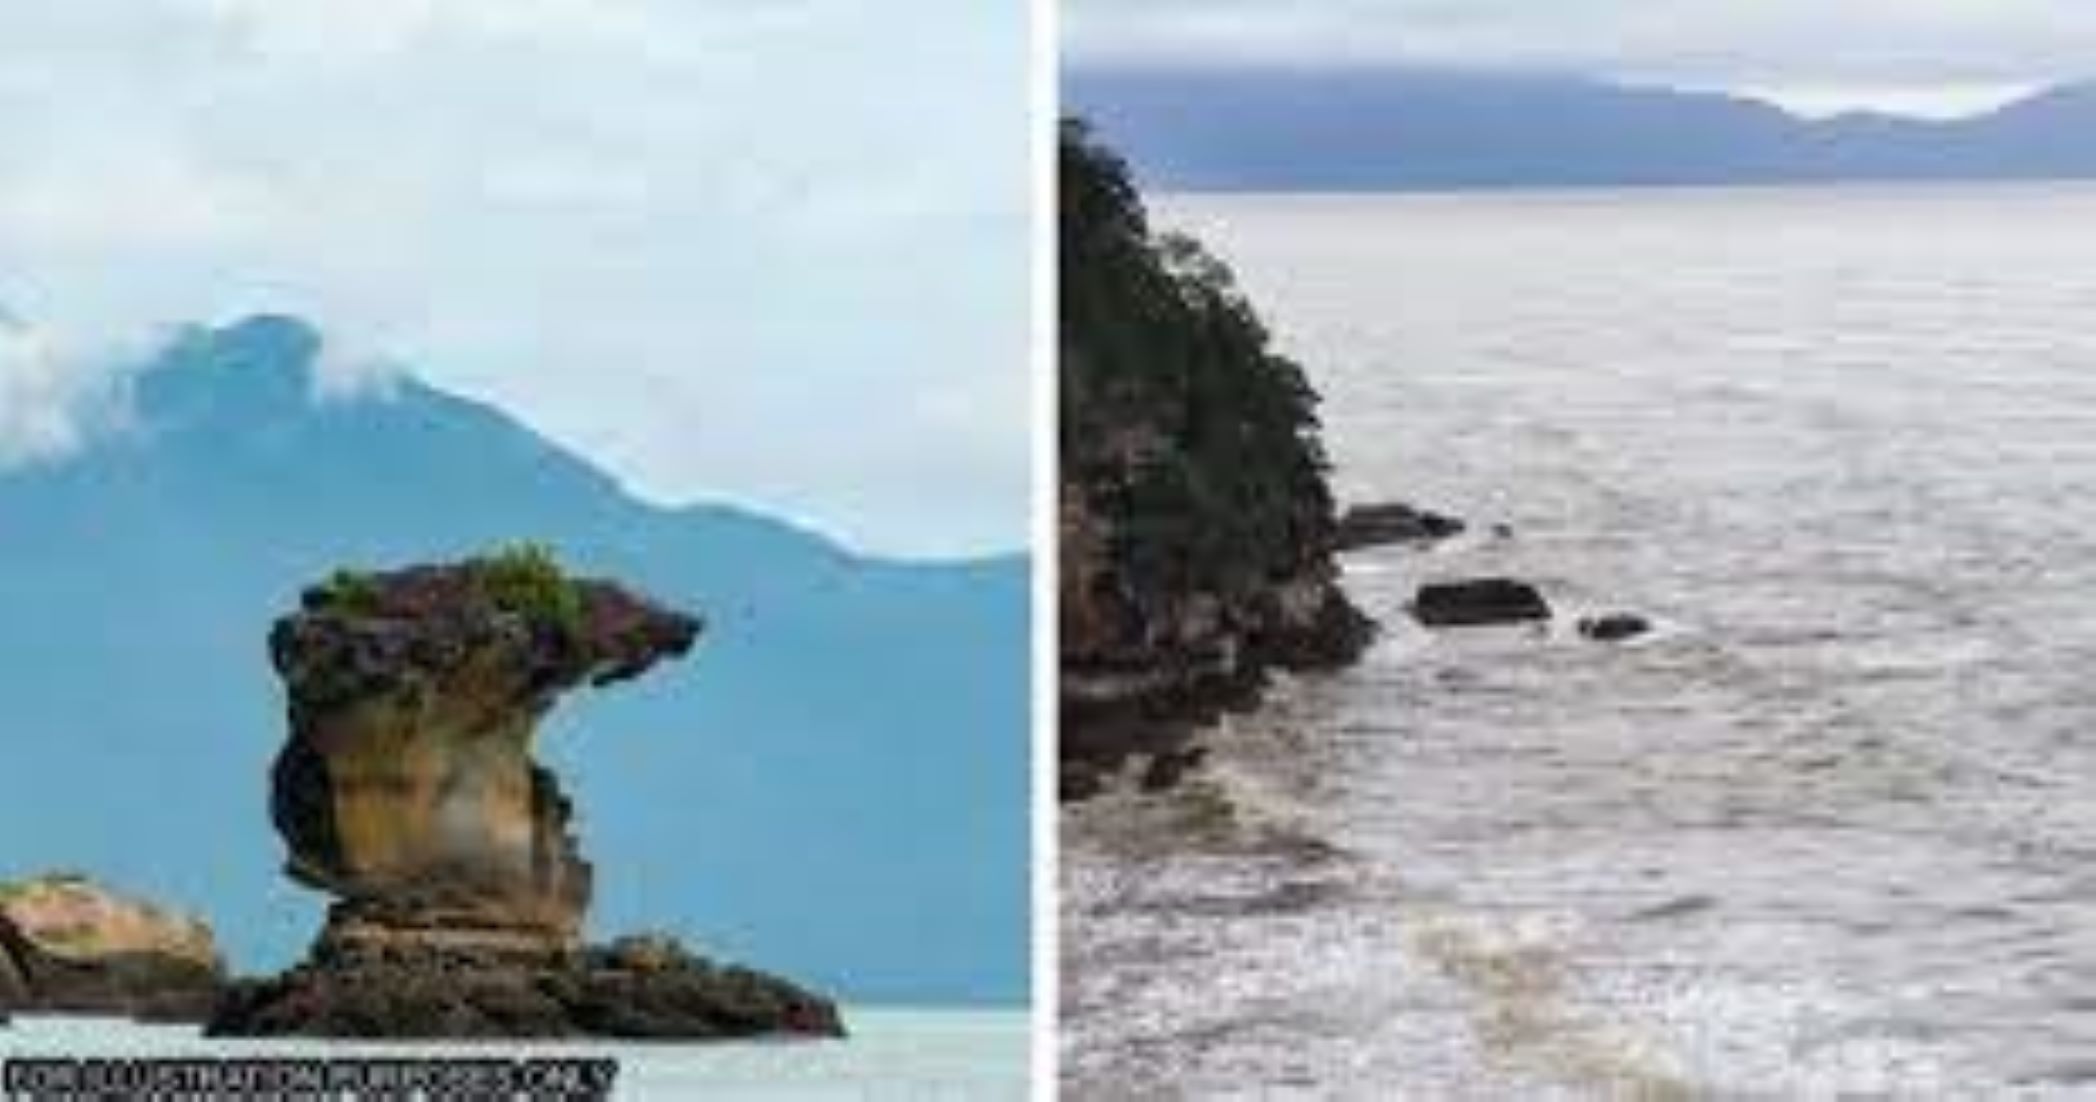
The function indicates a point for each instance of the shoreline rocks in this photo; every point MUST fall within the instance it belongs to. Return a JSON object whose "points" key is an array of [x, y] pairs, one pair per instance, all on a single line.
{"points": [[1614, 627], [70, 946], [407, 789], [1364, 526], [1479, 602]]}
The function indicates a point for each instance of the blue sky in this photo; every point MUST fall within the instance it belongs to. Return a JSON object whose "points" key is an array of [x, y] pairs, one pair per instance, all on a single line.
{"points": [[1933, 57], [773, 252]]}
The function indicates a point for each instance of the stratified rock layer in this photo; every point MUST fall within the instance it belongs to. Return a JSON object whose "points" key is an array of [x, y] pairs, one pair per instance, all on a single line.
{"points": [[70, 946], [408, 791]]}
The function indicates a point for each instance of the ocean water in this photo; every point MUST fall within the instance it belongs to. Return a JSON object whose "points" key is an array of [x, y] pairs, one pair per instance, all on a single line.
{"points": [[1831, 832], [892, 1054]]}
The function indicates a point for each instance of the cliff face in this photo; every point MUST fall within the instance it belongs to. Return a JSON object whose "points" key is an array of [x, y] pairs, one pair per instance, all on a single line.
{"points": [[70, 946], [1196, 524], [407, 790]]}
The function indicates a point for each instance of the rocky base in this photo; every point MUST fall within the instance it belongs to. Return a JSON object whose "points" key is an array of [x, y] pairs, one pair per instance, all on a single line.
{"points": [[638, 988], [69, 946], [1147, 708]]}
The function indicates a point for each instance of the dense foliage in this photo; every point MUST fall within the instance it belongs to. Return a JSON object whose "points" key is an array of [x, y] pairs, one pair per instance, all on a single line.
{"points": [[528, 580], [1180, 423], [525, 579]]}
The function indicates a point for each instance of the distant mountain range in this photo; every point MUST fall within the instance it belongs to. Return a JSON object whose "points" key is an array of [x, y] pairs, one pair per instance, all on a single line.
{"points": [[834, 785], [1220, 129]]}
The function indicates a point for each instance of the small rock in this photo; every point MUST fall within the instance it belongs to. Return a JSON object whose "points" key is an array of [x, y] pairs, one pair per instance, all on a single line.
{"points": [[1373, 525], [1078, 782], [1479, 602], [1678, 907], [1167, 769], [1614, 627]]}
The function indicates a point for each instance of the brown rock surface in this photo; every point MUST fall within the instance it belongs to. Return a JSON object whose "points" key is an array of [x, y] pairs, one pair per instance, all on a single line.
{"points": [[70, 946]]}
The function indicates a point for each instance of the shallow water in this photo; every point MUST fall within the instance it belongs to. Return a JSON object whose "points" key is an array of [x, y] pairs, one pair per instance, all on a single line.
{"points": [[1829, 832], [892, 1054]]}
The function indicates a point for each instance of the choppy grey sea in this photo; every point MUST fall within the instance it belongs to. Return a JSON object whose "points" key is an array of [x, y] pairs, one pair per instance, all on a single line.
{"points": [[1831, 832]]}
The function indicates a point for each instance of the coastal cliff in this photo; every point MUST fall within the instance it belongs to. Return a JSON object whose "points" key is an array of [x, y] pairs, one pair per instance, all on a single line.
{"points": [[71, 946], [1196, 525], [407, 790]]}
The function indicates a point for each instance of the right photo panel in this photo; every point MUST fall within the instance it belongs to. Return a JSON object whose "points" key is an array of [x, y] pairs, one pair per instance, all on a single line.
{"points": [[1577, 552]]}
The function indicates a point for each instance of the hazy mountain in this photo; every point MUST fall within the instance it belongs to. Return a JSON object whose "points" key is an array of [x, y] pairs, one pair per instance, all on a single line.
{"points": [[1399, 129], [834, 786]]}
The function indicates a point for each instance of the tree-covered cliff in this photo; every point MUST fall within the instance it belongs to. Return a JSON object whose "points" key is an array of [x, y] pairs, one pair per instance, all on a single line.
{"points": [[1196, 523]]}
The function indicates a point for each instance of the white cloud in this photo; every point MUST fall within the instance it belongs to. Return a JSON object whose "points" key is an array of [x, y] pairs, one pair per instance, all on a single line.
{"points": [[728, 249], [1877, 52], [52, 394]]}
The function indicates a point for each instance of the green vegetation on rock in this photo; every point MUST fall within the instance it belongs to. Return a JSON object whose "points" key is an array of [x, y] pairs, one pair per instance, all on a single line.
{"points": [[1180, 422], [348, 591], [527, 579]]}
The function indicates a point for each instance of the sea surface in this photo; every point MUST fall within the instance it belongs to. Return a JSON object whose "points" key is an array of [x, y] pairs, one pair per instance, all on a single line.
{"points": [[1831, 832], [898, 1055]]}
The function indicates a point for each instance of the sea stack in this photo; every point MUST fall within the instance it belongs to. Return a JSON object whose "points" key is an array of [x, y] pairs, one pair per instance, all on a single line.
{"points": [[407, 790]]}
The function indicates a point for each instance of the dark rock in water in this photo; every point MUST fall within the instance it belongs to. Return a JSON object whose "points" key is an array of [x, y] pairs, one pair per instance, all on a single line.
{"points": [[70, 946], [427, 989], [1614, 627], [1078, 781], [1167, 769], [408, 790], [1479, 602], [1372, 525]]}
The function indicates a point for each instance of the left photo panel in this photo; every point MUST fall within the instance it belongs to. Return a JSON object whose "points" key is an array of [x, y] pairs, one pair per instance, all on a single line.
{"points": [[514, 548]]}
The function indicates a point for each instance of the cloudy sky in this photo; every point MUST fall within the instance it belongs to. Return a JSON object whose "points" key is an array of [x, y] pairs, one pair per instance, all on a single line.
{"points": [[771, 252], [1923, 56]]}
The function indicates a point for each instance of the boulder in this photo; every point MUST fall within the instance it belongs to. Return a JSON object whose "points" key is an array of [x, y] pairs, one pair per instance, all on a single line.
{"points": [[407, 789], [1614, 627], [71, 946], [1372, 525], [1479, 602]]}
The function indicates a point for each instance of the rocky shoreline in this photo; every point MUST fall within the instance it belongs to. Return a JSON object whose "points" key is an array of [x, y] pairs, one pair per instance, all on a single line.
{"points": [[1197, 530]]}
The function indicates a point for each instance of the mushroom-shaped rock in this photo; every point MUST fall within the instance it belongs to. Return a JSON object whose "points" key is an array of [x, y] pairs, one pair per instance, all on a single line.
{"points": [[71, 946], [408, 791], [407, 788]]}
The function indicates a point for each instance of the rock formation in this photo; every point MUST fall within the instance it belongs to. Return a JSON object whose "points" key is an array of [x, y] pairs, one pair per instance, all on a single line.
{"points": [[1394, 522], [1614, 627], [1197, 528], [1479, 602], [407, 791], [70, 946]]}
